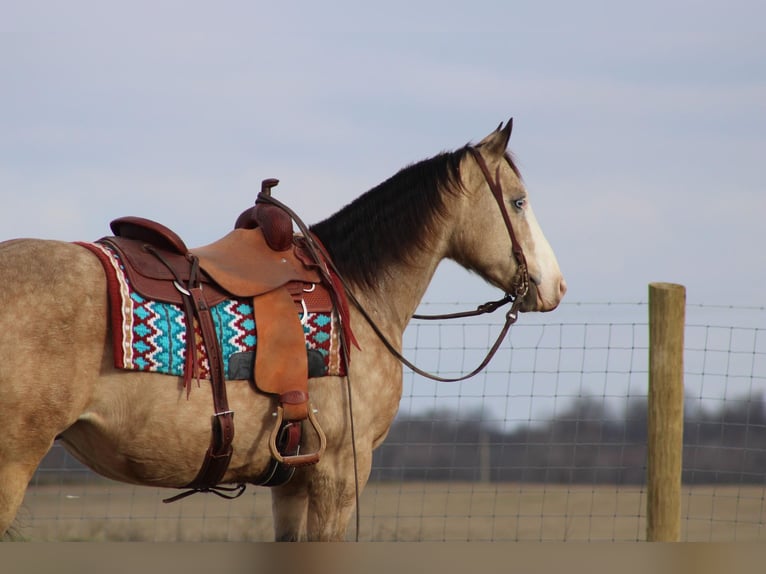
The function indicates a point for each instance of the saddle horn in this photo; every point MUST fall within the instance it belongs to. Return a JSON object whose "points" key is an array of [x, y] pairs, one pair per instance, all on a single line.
{"points": [[275, 223]]}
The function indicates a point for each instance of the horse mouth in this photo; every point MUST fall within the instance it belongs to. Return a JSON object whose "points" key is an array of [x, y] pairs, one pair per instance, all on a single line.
{"points": [[533, 301], [530, 302]]}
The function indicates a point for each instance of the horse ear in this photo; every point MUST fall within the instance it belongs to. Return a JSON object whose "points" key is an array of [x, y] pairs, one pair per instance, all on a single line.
{"points": [[497, 142]]}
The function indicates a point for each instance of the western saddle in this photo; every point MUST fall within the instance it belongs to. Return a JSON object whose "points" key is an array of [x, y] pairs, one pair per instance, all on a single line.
{"points": [[263, 260]]}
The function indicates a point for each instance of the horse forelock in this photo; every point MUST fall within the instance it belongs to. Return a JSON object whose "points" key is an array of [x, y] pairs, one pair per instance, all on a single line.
{"points": [[392, 221]]}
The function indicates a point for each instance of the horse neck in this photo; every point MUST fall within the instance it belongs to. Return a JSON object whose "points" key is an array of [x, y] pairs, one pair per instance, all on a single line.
{"points": [[403, 284], [399, 285]]}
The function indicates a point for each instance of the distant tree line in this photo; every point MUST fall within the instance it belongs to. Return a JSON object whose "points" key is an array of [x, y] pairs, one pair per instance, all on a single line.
{"points": [[585, 444]]}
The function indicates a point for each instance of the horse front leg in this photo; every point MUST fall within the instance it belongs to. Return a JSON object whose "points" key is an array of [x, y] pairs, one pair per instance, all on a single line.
{"points": [[319, 502], [333, 493], [289, 508], [331, 506]]}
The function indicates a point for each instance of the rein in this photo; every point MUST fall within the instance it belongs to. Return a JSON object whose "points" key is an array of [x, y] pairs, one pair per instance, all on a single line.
{"points": [[520, 283]]}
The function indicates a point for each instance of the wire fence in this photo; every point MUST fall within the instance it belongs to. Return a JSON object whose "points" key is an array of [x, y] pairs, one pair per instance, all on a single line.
{"points": [[546, 444]]}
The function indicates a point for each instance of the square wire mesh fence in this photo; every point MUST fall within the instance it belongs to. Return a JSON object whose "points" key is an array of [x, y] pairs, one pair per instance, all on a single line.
{"points": [[546, 444]]}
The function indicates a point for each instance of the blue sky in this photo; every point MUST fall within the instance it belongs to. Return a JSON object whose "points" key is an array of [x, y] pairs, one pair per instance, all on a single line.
{"points": [[640, 128]]}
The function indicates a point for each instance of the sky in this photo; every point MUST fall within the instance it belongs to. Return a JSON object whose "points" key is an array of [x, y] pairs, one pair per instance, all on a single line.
{"points": [[639, 127]]}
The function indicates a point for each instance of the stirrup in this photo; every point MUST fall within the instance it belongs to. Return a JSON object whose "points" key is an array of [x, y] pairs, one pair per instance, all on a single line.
{"points": [[298, 459]]}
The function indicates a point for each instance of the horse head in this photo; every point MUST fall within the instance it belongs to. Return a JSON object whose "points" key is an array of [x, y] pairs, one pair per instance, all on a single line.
{"points": [[499, 234]]}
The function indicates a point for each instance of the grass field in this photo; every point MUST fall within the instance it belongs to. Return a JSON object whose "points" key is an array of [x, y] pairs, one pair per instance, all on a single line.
{"points": [[106, 511]]}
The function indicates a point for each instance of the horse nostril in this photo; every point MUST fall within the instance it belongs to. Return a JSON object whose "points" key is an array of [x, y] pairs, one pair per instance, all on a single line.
{"points": [[562, 287]]}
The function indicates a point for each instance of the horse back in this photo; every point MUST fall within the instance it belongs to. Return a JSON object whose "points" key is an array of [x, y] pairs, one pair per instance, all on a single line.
{"points": [[52, 295]]}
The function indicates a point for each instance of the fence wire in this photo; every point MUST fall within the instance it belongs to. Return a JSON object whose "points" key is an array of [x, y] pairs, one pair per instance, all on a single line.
{"points": [[547, 444]]}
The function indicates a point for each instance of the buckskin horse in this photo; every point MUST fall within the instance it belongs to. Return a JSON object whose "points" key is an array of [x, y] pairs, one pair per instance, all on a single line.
{"points": [[59, 379]]}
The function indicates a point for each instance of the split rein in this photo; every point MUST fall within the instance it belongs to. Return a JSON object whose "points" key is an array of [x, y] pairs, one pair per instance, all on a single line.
{"points": [[520, 282]]}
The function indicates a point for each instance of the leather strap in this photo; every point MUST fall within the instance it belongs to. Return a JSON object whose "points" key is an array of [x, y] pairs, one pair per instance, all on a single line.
{"points": [[219, 453], [191, 365], [483, 309]]}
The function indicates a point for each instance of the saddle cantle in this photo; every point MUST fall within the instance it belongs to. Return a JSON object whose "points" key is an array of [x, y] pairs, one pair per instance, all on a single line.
{"points": [[262, 260], [239, 264]]}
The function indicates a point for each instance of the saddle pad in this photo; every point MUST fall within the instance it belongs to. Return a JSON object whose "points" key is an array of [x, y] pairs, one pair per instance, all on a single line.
{"points": [[151, 335]]}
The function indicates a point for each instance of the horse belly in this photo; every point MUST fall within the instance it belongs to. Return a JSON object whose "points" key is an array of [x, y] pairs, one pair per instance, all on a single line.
{"points": [[142, 429], [112, 451]]}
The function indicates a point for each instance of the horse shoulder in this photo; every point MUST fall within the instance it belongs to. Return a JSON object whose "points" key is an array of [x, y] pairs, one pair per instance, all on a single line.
{"points": [[376, 379]]}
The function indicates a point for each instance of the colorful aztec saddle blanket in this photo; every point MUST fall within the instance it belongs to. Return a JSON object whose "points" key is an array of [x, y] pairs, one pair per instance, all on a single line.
{"points": [[151, 335]]}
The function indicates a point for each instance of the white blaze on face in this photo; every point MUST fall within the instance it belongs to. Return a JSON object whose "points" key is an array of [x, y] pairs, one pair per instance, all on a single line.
{"points": [[544, 269], [478, 245]]}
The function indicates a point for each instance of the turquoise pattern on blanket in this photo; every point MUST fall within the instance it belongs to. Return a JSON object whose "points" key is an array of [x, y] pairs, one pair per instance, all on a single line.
{"points": [[158, 334]]}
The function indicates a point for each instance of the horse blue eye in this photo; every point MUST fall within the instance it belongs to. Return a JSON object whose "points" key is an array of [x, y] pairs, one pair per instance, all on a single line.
{"points": [[519, 203]]}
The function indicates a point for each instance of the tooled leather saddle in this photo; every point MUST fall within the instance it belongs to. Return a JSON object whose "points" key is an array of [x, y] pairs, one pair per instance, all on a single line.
{"points": [[263, 260]]}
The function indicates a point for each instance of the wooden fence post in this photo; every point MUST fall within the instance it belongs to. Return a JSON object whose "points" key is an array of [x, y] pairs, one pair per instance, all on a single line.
{"points": [[667, 309]]}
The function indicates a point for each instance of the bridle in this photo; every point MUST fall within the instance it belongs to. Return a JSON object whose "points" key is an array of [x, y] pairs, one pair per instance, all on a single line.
{"points": [[519, 288]]}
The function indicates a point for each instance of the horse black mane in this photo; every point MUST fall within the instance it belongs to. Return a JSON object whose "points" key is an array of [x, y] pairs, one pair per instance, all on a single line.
{"points": [[392, 220]]}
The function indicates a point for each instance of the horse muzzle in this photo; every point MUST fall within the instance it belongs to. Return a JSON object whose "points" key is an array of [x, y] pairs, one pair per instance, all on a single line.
{"points": [[536, 300]]}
